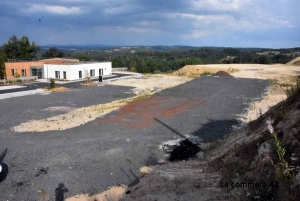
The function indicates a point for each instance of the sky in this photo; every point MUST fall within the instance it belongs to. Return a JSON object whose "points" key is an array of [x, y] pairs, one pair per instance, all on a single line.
{"points": [[227, 23]]}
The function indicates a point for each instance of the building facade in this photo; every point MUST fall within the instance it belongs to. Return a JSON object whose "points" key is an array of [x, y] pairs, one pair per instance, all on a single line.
{"points": [[66, 69], [76, 71]]}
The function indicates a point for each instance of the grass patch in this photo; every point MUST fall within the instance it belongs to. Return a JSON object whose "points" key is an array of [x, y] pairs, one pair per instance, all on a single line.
{"points": [[206, 73], [232, 70]]}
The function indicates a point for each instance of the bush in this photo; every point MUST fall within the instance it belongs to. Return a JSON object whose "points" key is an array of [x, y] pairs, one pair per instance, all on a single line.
{"points": [[17, 75], [52, 83], [156, 72], [206, 73]]}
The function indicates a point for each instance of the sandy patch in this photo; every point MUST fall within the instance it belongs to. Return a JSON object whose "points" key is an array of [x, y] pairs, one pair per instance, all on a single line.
{"points": [[197, 70], [295, 62], [72, 119], [56, 89], [259, 71], [146, 170], [113, 194], [151, 82], [55, 109], [275, 94], [89, 84], [258, 108]]}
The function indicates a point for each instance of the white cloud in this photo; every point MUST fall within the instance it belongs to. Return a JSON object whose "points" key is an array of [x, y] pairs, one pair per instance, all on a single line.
{"points": [[127, 29], [148, 23], [121, 9], [195, 34], [53, 9], [222, 5]]}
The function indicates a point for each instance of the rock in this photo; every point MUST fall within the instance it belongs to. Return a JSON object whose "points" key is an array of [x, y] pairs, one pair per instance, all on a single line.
{"points": [[264, 149], [201, 155], [204, 146]]}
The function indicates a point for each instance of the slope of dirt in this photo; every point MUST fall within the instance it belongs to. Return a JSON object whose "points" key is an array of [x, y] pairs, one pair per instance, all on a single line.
{"points": [[195, 70], [250, 155], [294, 62]]}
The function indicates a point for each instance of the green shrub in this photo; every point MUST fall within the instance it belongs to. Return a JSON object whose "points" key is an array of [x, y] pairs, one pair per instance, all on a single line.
{"points": [[52, 83], [17, 75], [206, 73], [156, 72]]}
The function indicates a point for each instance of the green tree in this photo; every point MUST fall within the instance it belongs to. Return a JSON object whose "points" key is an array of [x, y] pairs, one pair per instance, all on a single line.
{"points": [[20, 48], [53, 52], [3, 59], [16, 48], [83, 58], [132, 65]]}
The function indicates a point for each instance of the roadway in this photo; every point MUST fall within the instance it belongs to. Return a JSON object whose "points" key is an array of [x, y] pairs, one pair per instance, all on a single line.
{"points": [[38, 85]]}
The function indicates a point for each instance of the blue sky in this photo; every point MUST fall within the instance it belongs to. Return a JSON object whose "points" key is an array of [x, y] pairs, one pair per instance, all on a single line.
{"points": [[231, 23]]}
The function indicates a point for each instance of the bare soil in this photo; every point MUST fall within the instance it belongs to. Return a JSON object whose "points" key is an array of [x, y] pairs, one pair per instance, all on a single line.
{"points": [[112, 194], [56, 89], [295, 62], [259, 71]]}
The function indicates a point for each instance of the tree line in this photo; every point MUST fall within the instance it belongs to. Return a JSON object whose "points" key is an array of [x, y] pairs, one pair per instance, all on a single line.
{"points": [[149, 62]]}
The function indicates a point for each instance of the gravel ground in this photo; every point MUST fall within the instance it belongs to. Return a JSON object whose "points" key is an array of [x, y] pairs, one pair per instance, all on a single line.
{"points": [[99, 154]]}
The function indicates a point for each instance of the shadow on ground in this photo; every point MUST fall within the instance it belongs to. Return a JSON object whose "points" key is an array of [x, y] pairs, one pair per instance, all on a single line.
{"points": [[215, 130], [133, 180], [60, 191]]}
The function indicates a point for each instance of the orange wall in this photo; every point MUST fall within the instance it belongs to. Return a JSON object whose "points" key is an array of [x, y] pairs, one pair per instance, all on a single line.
{"points": [[19, 66]]}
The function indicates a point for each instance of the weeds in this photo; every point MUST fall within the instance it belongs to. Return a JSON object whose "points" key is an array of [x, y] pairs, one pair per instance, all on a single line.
{"points": [[206, 73], [232, 70], [52, 83], [284, 168], [293, 88]]}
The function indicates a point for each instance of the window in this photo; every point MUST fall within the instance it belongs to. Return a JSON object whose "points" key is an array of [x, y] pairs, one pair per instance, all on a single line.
{"points": [[57, 74], [92, 73], [12, 72], [80, 74], [23, 73]]}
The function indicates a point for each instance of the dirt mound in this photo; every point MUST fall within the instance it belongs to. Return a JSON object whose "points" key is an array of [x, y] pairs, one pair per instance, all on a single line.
{"points": [[294, 62], [222, 74], [195, 70]]}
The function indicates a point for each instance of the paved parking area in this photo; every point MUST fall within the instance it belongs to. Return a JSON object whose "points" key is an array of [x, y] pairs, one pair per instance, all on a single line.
{"points": [[110, 150]]}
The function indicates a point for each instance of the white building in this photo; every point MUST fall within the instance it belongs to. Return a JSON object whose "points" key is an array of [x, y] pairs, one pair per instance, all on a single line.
{"points": [[76, 71]]}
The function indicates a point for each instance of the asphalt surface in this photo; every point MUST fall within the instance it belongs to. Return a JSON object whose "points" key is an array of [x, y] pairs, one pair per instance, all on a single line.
{"points": [[38, 85], [96, 155]]}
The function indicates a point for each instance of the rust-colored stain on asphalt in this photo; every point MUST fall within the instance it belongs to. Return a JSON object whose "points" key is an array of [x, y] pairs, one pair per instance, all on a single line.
{"points": [[141, 113]]}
